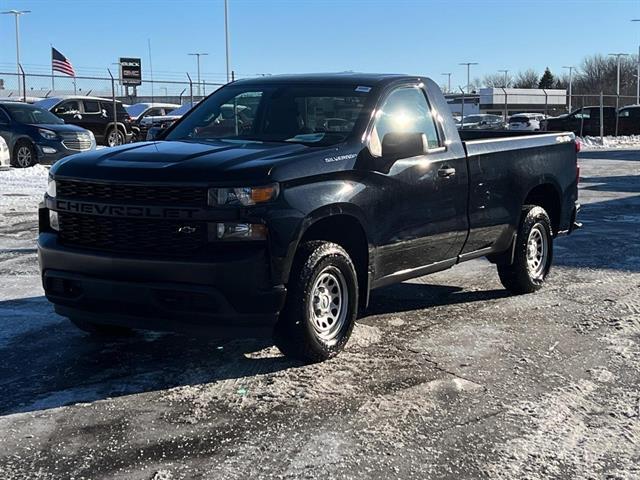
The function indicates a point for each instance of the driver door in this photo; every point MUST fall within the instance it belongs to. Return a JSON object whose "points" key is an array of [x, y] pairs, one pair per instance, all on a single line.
{"points": [[421, 218]]}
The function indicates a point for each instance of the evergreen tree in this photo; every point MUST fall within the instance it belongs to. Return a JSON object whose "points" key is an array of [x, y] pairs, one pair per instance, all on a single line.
{"points": [[547, 80]]}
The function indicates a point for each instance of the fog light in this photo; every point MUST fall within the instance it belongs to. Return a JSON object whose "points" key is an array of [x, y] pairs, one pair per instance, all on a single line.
{"points": [[237, 231], [53, 220], [49, 150]]}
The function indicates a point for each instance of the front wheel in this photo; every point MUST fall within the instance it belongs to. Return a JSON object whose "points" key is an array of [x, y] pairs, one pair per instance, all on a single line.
{"points": [[532, 255], [322, 303], [24, 155]]}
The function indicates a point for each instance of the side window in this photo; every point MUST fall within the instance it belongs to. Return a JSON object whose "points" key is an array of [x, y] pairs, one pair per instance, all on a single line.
{"points": [[583, 114], [91, 106], [404, 111], [624, 113], [69, 107], [154, 112]]}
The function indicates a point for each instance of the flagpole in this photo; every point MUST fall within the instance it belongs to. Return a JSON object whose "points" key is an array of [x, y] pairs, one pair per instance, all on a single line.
{"points": [[53, 82]]}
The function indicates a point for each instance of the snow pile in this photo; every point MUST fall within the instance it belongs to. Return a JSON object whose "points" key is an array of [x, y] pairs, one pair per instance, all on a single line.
{"points": [[621, 141], [22, 187]]}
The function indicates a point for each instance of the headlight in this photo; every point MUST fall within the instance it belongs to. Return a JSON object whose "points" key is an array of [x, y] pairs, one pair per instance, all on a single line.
{"points": [[246, 196], [51, 187], [47, 134]]}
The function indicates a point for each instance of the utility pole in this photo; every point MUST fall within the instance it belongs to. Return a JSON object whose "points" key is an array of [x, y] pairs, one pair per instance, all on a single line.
{"points": [[505, 77], [468, 64], [17, 14], [638, 77], [448, 74], [571, 68], [226, 39], [198, 55]]}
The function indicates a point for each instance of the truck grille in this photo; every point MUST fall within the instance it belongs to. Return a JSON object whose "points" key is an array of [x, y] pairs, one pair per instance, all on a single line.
{"points": [[77, 141], [146, 195], [139, 236]]}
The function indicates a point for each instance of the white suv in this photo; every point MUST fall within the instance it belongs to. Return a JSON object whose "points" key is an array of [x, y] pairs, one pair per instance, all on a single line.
{"points": [[526, 121], [4, 153]]}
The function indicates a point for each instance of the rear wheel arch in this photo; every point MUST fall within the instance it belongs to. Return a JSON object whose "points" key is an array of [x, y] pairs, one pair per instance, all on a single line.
{"points": [[547, 195]]}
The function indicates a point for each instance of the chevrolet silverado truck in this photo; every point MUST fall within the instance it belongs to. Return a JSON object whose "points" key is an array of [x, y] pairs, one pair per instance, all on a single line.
{"points": [[281, 219]]}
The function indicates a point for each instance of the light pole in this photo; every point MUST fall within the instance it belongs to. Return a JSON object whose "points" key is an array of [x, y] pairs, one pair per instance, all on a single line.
{"points": [[226, 39], [17, 14], [448, 74], [618, 57], [638, 76], [198, 55], [570, 68], [505, 77], [468, 64]]}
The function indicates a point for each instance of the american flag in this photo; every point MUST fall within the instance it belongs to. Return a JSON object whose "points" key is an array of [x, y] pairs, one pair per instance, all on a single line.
{"points": [[60, 63]]}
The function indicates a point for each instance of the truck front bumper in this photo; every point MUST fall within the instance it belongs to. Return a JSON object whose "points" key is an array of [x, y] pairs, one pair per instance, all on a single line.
{"points": [[227, 296]]}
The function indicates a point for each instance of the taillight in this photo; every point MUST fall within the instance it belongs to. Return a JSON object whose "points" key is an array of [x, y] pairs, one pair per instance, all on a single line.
{"points": [[578, 146]]}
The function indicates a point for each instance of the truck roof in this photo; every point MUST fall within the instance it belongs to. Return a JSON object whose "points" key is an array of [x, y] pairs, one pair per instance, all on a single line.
{"points": [[341, 78]]}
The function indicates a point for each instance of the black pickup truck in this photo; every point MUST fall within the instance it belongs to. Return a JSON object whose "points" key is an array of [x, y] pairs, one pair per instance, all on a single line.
{"points": [[282, 217]]}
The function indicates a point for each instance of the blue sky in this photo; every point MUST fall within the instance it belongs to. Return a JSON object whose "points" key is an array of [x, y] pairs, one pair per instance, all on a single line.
{"points": [[284, 36]]}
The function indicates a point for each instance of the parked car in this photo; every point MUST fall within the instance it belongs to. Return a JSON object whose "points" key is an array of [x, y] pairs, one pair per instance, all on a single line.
{"points": [[526, 121], [35, 135], [583, 121], [165, 121], [483, 121], [140, 111], [282, 226], [5, 157], [94, 114], [629, 120]]}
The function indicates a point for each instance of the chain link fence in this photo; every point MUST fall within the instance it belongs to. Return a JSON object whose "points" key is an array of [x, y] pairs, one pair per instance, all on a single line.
{"points": [[31, 87]]}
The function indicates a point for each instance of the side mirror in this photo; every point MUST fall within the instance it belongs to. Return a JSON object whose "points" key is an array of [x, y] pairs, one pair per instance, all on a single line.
{"points": [[403, 145], [155, 133]]}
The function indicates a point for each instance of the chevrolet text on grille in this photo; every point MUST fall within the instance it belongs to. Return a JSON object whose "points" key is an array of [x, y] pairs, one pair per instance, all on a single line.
{"points": [[124, 210]]}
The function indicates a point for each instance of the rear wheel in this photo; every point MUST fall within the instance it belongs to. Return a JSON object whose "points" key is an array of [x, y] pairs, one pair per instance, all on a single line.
{"points": [[115, 137], [322, 303], [533, 253], [24, 155], [100, 330]]}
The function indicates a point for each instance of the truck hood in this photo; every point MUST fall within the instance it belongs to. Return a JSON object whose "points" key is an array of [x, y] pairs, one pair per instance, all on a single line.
{"points": [[186, 161]]}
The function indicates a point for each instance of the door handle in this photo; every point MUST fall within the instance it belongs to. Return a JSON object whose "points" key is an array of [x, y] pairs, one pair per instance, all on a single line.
{"points": [[446, 172]]}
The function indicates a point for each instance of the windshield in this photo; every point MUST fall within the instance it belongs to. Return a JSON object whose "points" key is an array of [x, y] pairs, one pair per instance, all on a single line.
{"points": [[473, 119], [47, 103], [137, 109], [312, 114], [32, 115]]}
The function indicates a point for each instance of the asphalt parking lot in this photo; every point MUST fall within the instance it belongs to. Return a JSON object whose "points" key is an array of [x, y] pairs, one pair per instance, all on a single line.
{"points": [[445, 377]]}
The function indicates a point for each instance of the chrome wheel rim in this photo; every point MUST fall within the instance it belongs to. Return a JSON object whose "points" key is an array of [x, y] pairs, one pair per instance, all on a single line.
{"points": [[537, 251], [23, 157], [114, 139], [329, 303]]}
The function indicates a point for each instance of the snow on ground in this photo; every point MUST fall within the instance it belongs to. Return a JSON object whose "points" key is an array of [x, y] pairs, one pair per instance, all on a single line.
{"points": [[621, 141]]}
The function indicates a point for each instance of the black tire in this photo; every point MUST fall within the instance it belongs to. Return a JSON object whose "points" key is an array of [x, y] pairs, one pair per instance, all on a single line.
{"points": [[521, 277], [299, 332], [118, 136], [100, 330], [24, 154]]}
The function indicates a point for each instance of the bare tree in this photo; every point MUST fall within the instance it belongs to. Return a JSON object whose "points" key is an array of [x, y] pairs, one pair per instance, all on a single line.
{"points": [[497, 80], [526, 79]]}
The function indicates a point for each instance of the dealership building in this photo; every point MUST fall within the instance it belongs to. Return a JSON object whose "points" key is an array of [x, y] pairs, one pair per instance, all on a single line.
{"points": [[512, 100]]}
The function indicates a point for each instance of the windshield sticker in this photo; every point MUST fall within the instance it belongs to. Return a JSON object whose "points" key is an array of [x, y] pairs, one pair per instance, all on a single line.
{"points": [[363, 89], [340, 158]]}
